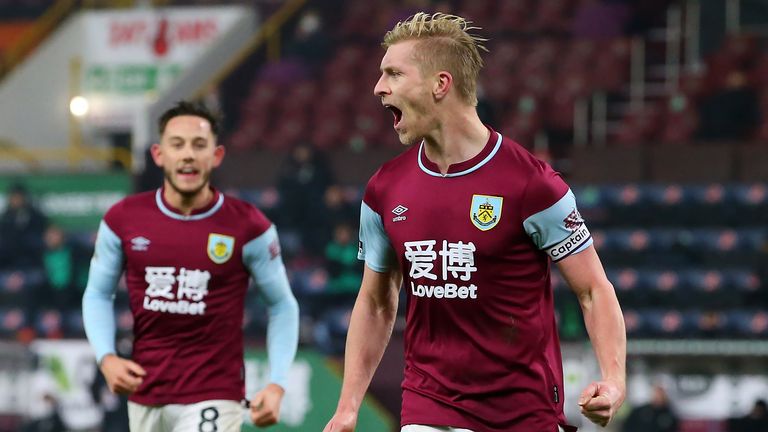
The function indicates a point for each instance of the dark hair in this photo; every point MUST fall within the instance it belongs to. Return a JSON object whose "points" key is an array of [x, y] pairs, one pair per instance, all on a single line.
{"points": [[196, 109]]}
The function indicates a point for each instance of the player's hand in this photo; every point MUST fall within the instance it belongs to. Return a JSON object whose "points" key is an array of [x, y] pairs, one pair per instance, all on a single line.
{"points": [[122, 375], [342, 422], [265, 405], [600, 401]]}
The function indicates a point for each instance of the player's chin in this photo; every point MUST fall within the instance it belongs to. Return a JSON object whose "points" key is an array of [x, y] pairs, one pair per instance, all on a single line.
{"points": [[406, 138], [188, 189]]}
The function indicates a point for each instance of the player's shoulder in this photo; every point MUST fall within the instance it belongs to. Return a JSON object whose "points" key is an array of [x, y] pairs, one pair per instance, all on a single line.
{"points": [[239, 205], [395, 168], [250, 217], [140, 199], [542, 186], [524, 162], [398, 164]]}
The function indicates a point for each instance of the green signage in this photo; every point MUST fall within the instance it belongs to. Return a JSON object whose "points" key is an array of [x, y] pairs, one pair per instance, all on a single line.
{"points": [[73, 201], [310, 399], [129, 78]]}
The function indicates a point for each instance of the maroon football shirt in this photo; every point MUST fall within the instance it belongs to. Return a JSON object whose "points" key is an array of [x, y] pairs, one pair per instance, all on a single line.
{"points": [[186, 283], [481, 343]]}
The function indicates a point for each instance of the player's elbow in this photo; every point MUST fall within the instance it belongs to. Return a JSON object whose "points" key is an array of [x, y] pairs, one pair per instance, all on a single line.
{"points": [[589, 294], [287, 305]]}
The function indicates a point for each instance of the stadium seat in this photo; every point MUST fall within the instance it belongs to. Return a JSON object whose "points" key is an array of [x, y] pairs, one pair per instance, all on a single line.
{"points": [[751, 195], [540, 56], [511, 17], [681, 121], [524, 121], [479, 11], [639, 125], [507, 52], [12, 320], [742, 280], [709, 324], [631, 286], [750, 324], [635, 324], [692, 83], [330, 332], [499, 85], [759, 75], [73, 324], [557, 281], [357, 19], [49, 324], [663, 281], [16, 281], [580, 55], [312, 280], [561, 104], [737, 52], [265, 199], [610, 71], [728, 240], [124, 321], [667, 323], [370, 119], [551, 17]]}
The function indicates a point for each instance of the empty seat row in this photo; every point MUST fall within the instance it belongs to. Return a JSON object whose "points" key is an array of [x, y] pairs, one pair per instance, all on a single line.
{"points": [[672, 323], [733, 281]]}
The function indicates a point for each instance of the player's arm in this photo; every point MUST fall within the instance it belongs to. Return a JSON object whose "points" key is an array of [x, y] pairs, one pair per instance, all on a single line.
{"points": [[262, 257], [122, 375], [605, 325], [372, 320], [560, 231], [370, 328]]}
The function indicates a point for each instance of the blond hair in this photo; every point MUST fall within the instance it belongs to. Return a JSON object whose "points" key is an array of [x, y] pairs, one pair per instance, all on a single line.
{"points": [[443, 43]]}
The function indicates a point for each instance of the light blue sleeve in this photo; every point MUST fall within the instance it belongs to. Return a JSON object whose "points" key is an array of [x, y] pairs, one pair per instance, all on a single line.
{"points": [[559, 230], [262, 257], [98, 299], [374, 248]]}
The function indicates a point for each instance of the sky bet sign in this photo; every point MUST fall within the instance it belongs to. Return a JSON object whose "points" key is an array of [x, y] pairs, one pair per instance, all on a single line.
{"points": [[142, 51]]}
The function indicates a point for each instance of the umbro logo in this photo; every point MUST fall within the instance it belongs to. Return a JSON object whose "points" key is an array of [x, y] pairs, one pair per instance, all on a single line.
{"points": [[140, 243], [398, 211]]}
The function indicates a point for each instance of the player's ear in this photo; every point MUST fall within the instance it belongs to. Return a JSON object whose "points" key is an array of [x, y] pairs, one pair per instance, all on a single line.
{"points": [[157, 154], [443, 82], [218, 155]]}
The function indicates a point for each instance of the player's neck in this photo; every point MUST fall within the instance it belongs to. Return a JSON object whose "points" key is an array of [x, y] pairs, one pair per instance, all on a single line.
{"points": [[459, 137], [187, 203]]}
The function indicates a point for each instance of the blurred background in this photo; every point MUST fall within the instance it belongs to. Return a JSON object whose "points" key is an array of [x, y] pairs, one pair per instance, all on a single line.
{"points": [[655, 111]]}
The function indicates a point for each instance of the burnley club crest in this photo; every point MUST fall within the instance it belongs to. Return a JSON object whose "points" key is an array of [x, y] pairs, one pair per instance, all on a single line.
{"points": [[220, 247], [485, 211]]}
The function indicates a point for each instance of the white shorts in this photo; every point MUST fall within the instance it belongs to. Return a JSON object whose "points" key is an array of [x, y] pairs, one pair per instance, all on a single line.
{"points": [[206, 416], [421, 428]]}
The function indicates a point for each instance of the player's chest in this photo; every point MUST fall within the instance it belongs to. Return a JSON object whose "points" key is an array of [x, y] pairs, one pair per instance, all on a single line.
{"points": [[483, 216], [202, 246]]}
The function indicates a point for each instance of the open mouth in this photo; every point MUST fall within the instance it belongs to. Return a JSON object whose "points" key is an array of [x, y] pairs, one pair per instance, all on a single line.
{"points": [[187, 172], [396, 112]]}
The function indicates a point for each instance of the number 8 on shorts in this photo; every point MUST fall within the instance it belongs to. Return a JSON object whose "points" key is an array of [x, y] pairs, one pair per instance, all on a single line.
{"points": [[208, 422]]}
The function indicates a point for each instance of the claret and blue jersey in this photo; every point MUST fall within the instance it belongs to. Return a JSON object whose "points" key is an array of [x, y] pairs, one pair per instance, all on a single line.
{"points": [[187, 277], [475, 246]]}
